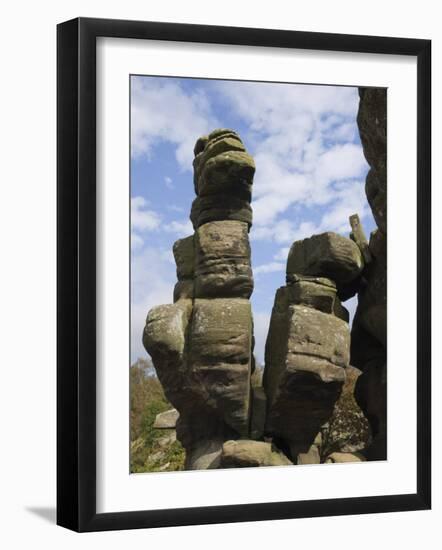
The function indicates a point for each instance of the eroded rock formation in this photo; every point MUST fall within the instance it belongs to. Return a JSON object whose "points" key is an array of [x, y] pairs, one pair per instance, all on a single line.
{"points": [[308, 345], [369, 331], [201, 345]]}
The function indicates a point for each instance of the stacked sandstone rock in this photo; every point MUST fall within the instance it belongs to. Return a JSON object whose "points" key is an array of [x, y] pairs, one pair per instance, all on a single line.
{"points": [[369, 331], [201, 345], [308, 345]]}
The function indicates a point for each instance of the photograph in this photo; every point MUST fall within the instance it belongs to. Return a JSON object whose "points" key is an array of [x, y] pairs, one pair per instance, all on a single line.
{"points": [[197, 262], [258, 274]]}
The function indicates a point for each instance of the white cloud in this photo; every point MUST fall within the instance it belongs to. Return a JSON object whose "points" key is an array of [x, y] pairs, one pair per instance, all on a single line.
{"points": [[162, 111], [169, 183], [302, 141], [143, 219], [136, 242], [153, 278], [180, 227], [348, 197], [282, 253], [281, 231], [174, 208], [340, 162], [271, 267], [351, 305]]}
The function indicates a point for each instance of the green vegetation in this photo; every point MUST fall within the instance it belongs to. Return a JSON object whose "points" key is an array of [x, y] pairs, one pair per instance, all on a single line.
{"points": [[151, 450]]}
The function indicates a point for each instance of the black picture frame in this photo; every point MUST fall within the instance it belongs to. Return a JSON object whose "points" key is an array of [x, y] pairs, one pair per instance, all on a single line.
{"points": [[76, 273]]}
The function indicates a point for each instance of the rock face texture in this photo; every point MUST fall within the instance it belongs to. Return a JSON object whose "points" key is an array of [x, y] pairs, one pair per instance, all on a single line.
{"points": [[166, 420], [308, 345], [202, 345], [369, 332]]}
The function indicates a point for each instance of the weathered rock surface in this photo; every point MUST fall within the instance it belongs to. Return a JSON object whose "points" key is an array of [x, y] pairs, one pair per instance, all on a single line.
{"points": [[214, 208], [166, 419], [258, 413], [369, 331], [201, 346], [372, 123], [372, 302], [358, 236], [325, 255], [223, 167], [167, 439], [306, 355], [164, 338], [184, 254], [223, 260], [340, 311], [371, 396], [220, 357], [184, 290], [313, 455], [316, 292], [249, 453], [204, 455], [336, 458]]}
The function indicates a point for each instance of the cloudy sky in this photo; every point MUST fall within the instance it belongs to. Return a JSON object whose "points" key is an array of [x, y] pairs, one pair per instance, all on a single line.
{"points": [[310, 174]]}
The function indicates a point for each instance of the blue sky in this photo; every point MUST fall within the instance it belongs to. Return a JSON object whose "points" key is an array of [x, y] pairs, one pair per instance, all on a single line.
{"points": [[310, 175]]}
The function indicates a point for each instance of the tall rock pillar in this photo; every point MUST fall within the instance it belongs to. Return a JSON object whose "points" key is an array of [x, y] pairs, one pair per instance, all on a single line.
{"points": [[201, 346]]}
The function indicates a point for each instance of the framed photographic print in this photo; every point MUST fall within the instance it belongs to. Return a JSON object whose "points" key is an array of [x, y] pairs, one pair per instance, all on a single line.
{"points": [[241, 335]]}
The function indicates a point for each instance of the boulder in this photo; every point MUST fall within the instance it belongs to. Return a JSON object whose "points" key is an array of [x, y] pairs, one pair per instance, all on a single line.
{"points": [[164, 338], [249, 453], [224, 143], [336, 458], [306, 355], [315, 334], [222, 166], [167, 439], [327, 255], [166, 419], [229, 173]]}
